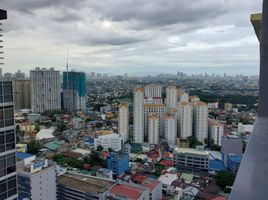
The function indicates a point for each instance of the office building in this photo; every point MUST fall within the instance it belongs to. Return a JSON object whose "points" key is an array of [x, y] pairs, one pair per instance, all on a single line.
{"points": [[113, 141], [170, 124], [22, 94], [74, 91], [128, 191], [138, 115], [153, 94], [185, 119], [8, 174], [37, 180], [159, 110], [45, 89], [171, 97], [123, 120], [73, 186], [215, 131], [153, 128], [200, 121], [118, 163]]}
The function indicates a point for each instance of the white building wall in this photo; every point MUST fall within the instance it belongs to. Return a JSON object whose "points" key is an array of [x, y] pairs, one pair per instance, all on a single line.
{"points": [[114, 141], [153, 129], [185, 119], [45, 89], [123, 124], [216, 132], [138, 118], [170, 129], [171, 97], [200, 121]]}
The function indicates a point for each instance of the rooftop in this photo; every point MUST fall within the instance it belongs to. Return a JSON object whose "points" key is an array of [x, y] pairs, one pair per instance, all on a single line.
{"points": [[151, 184], [191, 151], [85, 183]]}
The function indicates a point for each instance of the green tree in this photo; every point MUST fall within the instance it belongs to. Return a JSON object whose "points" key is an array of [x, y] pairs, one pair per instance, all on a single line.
{"points": [[33, 146], [193, 142], [61, 126], [225, 178], [99, 148]]}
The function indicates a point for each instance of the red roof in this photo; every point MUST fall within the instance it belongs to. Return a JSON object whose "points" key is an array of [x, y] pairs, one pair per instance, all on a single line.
{"points": [[219, 198], [137, 178], [166, 162], [71, 154], [151, 184], [127, 191]]}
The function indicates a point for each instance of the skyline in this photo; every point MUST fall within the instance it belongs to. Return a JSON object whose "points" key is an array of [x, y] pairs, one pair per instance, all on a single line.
{"points": [[208, 36]]}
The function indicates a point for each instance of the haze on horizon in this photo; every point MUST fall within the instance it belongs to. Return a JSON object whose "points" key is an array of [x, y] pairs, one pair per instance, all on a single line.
{"points": [[133, 36]]}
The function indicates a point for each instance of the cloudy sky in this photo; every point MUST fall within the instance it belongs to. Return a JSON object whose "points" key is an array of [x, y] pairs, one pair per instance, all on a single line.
{"points": [[133, 36]]}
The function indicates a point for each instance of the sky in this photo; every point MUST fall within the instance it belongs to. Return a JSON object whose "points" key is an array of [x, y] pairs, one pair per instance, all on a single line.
{"points": [[137, 37]]}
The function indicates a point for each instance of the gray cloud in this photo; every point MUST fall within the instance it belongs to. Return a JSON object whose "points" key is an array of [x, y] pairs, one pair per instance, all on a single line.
{"points": [[131, 34]]}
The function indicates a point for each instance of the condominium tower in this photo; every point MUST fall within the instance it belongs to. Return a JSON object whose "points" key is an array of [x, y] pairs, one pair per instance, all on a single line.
{"points": [[171, 97], [200, 121], [153, 128], [170, 124], [185, 119], [138, 115], [45, 87], [123, 123], [153, 94]]}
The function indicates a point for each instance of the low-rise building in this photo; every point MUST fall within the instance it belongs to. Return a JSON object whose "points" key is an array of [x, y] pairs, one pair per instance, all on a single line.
{"points": [[155, 188], [37, 180], [113, 141], [118, 163], [105, 173], [79, 187], [128, 191]]}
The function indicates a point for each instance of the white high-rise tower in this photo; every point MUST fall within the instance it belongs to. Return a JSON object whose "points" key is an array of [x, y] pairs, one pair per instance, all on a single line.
{"points": [[172, 97], [170, 124], [153, 94], [200, 127], [185, 119], [123, 124], [153, 128], [138, 115]]}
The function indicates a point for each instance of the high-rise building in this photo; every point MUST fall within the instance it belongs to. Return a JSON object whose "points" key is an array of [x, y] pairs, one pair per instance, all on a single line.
{"points": [[172, 97], [37, 180], [45, 88], [215, 131], [138, 115], [170, 124], [159, 110], [74, 91], [153, 94], [185, 119], [8, 174], [200, 121], [22, 92], [123, 117], [182, 95], [153, 128]]}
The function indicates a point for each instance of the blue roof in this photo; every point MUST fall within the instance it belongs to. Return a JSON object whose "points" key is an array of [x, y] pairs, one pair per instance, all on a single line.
{"points": [[235, 158], [22, 155]]}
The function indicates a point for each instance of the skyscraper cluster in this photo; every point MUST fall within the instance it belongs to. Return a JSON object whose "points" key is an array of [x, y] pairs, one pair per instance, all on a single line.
{"points": [[178, 116]]}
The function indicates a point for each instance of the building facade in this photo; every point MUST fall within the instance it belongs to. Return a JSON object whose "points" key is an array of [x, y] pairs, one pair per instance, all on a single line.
{"points": [[215, 131], [45, 89], [200, 121], [37, 180], [8, 174], [118, 163], [153, 128], [74, 91], [185, 119], [138, 115], [153, 94], [113, 141], [171, 97], [22, 92], [170, 124], [123, 123]]}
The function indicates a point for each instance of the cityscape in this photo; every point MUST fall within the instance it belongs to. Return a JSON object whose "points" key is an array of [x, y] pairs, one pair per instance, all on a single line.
{"points": [[71, 134]]}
